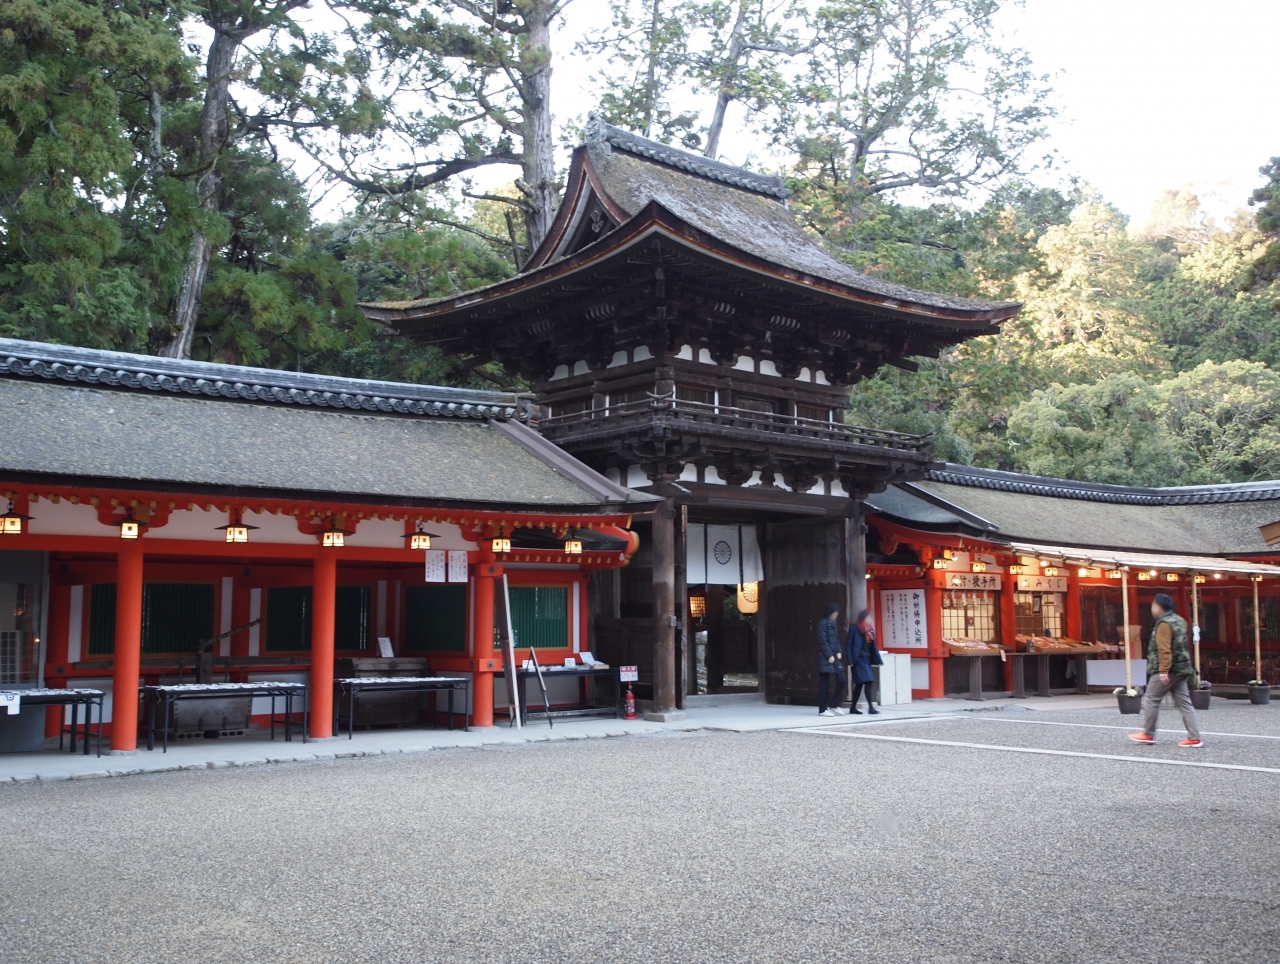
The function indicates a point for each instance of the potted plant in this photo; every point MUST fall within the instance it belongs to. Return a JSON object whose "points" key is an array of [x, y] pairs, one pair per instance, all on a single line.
{"points": [[1200, 695], [1259, 692], [1130, 700]]}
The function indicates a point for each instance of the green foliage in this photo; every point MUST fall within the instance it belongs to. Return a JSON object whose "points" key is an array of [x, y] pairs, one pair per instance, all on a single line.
{"points": [[74, 79], [1267, 197]]}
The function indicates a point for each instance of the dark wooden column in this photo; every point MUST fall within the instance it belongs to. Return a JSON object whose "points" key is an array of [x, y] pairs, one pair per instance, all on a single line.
{"points": [[856, 564], [681, 662], [664, 617]]}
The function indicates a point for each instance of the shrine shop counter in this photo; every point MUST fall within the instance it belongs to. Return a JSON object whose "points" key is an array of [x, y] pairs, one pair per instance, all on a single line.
{"points": [[166, 698], [347, 690], [1038, 656], [75, 698], [584, 676]]}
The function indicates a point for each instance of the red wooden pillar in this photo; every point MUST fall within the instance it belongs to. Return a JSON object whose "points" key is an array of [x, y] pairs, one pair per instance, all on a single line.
{"points": [[240, 617], [1074, 624], [128, 648], [1009, 626], [933, 609], [482, 658], [56, 653], [324, 595]]}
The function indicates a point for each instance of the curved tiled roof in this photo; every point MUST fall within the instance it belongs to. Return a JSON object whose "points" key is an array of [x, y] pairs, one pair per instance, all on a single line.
{"points": [[598, 132], [999, 481], [123, 370]]}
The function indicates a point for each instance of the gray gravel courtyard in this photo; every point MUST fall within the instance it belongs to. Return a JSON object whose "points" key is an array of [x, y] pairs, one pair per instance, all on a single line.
{"points": [[775, 846]]}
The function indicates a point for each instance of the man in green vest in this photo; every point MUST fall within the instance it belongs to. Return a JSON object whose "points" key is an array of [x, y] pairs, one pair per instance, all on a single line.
{"points": [[1168, 671]]}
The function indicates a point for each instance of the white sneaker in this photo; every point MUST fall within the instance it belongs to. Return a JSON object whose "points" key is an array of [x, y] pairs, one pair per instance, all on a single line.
{"points": [[826, 713], [839, 710]]}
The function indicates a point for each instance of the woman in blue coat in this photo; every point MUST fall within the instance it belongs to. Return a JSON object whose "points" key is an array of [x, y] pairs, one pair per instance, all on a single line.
{"points": [[861, 654]]}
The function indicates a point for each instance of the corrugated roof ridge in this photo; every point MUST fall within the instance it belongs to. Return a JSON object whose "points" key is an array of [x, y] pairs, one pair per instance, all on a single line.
{"points": [[91, 366], [600, 131], [1000, 480]]}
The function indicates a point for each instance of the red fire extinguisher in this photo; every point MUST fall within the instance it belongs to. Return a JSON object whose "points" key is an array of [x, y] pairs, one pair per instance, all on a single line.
{"points": [[629, 705]]}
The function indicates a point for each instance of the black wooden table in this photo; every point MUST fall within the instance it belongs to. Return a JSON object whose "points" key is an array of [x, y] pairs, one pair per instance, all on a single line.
{"points": [[348, 688], [1042, 672], [584, 675], [166, 696], [75, 698]]}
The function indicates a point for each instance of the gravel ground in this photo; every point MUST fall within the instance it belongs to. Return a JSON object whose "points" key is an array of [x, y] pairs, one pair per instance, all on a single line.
{"points": [[684, 847]]}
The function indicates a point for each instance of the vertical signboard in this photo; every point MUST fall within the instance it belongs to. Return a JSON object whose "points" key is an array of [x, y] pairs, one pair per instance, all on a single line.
{"points": [[903, 619]]}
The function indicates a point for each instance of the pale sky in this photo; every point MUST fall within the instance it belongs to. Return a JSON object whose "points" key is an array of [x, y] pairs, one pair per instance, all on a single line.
{"points": [[1152, 94]]}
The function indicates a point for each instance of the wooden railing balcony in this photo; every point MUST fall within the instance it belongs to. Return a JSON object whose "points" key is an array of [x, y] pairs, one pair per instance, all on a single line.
{"points": [[722, 420]]}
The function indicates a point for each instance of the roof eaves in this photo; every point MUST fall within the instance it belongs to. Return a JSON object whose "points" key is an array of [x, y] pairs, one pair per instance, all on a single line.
{"points": [[1002, 481], [123, 370], [571, 468], [600, 132]]}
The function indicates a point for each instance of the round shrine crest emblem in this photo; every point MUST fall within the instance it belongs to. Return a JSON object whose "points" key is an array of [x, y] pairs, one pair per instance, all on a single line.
{"points": [[722, 551]]}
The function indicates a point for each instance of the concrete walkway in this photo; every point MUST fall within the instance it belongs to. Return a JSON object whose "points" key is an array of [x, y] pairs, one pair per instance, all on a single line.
{"points": [[735, 713]]}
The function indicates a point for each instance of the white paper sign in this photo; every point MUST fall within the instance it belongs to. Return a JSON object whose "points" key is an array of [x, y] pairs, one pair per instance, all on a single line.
{"points": [[629, 674], [13, 701], [435, 565], [384, 647], [974, 580], [457, 565], [903, 620], [1042, 583]]}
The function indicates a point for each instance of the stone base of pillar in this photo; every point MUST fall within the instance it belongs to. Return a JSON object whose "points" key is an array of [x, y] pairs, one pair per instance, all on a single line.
{"points": [[664, 716], [121, 752]]}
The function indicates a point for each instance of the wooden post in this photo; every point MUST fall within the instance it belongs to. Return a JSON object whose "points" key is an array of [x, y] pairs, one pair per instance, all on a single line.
{"points": [[856, 549], [1257, 630], [936, 650], [128, 648], [1124, 632], [1195, 619], [680, 663], [324, 602], [482, 659], [664, 618]]}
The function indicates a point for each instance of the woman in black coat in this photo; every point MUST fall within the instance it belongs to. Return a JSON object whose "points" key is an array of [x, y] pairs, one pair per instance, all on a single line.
{"points": [[830, 664], [861, 654]]}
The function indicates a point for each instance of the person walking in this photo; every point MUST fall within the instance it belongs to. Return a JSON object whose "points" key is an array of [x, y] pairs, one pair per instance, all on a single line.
{"points": [[861, 654], [1168, 671], [830, 664]]}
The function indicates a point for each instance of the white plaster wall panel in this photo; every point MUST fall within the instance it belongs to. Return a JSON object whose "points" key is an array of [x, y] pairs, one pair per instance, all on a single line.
{"points": [[581, 368], [614, 475], [642, 353], [704, 357], [821, 378], [689, 472], [562, 371], [756, 479], [255, 612], [837, 489], [64, 519], [711, 475], [767, 367], [744, 363], [685, 353], [199, 525], [819, 488], [805, 375], [636, 479], [618, 360], [76, 627]]}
